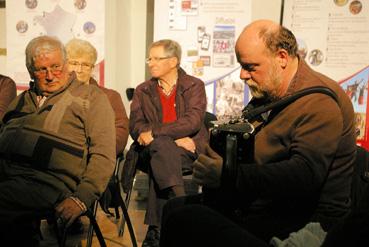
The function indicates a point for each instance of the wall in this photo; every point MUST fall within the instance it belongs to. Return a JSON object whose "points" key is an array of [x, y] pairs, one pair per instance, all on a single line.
{"points": [[125, 44], [128, 32], [2, 41], [266, 9], [259, 11]]}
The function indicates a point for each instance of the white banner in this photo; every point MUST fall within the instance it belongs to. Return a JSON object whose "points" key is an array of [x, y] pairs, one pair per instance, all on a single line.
{"points": [[65, 19], [333, 35]]}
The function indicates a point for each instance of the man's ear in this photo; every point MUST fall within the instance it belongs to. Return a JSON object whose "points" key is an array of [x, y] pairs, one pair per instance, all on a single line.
{"points": [[173, 62], [282, 58]]}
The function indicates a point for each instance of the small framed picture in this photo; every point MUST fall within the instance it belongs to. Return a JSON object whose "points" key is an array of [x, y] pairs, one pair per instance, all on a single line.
{"points": [[2, 3], [205, 43]]}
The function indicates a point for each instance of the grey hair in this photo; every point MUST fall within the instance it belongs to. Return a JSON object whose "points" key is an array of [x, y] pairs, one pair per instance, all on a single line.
{"points": [[80, 47], [42, 44], [171, 48]]}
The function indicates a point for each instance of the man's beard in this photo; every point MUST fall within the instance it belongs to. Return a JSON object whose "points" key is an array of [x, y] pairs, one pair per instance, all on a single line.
{"points": [[255, 90], [269, 89]]}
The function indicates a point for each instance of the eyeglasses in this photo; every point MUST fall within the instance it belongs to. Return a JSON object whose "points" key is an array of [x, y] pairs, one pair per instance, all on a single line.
{"points": [[84, 66], [155, 59], [55, 69]]}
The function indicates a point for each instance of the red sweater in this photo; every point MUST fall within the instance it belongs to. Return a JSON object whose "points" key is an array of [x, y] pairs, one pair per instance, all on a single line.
{"points": [[168, 105]]}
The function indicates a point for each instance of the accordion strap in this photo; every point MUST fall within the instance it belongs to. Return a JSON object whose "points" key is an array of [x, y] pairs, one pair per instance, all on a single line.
{"points": [[250, 114]]}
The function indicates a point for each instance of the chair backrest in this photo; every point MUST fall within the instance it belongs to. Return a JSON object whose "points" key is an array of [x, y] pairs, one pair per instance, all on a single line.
{"points": [[354, 229], [209, 117], [360, 177], [129, 93], [110, 197]]}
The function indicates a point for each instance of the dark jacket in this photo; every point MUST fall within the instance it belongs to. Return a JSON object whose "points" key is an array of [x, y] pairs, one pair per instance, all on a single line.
{"points": [[146, 113]]}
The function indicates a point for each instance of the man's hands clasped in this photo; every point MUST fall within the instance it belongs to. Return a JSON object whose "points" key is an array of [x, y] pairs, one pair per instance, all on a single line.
{"points": [[145, 138]]}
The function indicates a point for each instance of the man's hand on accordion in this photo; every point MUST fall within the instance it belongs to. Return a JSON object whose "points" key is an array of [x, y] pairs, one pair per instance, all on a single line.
{"points": [[207, 169]]}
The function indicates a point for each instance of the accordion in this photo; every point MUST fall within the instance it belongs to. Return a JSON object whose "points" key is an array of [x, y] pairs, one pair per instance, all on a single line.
{"points": [[233, 140]]}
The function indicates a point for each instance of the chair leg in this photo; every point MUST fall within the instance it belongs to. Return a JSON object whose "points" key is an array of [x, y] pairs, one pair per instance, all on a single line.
{"points": [[117, 215], [60, 239], [63, 238], [123, 206], [94, 227], [127, 219], [121, 227], [123, 222]]}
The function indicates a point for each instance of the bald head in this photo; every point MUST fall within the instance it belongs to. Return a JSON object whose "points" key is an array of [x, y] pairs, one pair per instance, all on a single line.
{"points": [[267, 53], [268, 34]]}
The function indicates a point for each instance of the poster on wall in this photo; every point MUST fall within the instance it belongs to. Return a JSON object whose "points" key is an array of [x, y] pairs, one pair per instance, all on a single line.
{"points": [[356, 87], [65, 19], [207, 31], [333, 38]]}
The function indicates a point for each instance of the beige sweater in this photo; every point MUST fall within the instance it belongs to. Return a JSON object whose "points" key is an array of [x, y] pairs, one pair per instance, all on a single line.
{"points": [[67, 143]]}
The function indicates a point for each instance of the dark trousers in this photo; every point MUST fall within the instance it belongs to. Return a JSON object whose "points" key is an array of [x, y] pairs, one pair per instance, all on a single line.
{"points": [[22, 201], [354, 229], [164, 162], [196, 225], [257, 226], [187, 222]]}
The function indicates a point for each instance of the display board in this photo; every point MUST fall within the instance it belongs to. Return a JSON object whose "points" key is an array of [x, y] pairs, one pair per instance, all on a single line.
{"points": [[65, 19], [207, 31], [333, 38]]}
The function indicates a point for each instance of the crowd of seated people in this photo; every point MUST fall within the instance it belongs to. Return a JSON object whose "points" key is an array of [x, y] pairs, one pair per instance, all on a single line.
{"points": [[59, 155]]}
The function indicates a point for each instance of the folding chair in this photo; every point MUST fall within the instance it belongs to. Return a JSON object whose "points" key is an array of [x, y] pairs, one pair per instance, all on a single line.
{"points": [[354, 229], [61, 232], [112, 197], [126, 203], [360, 177], [123, 204], [91, 214]]}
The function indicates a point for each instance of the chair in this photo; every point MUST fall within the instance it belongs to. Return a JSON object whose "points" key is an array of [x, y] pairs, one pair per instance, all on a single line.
{"points": [[124, 206], [91, 214], [209, 117], [354, 229], [360, 177], [129, 93], [61, 232], [114, 190]]}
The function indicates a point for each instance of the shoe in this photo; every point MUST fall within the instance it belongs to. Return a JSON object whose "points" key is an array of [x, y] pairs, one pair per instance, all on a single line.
{"points": [[152, 238]]}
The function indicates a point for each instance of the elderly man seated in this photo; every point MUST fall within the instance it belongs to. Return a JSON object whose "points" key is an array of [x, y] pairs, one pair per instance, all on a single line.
{"points": [[54, 152]]}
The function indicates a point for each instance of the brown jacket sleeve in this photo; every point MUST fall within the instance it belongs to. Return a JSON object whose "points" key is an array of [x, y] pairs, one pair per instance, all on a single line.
{"points": [[8, 92], [121, 119]]}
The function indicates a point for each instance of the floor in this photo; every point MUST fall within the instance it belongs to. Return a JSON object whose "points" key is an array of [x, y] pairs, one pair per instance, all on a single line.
{"points": [[109, 226]]}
